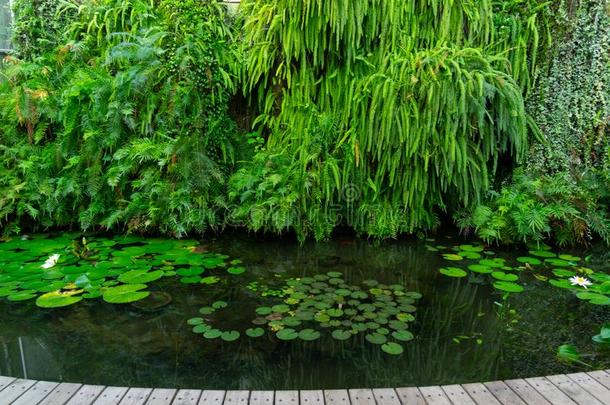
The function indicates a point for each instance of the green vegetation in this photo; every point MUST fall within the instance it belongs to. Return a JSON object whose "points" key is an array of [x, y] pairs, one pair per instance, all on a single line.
{"points": [[62, 271], [324, 302]]}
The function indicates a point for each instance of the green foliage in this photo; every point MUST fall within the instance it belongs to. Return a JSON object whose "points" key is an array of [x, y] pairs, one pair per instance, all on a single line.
{"points": [[532, 209], [38, 26], [381, 119], [125, 125], [571, 102]]}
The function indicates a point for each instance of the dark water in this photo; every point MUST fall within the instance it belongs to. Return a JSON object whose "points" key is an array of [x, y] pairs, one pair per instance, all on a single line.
{"points": [[464, 332]]}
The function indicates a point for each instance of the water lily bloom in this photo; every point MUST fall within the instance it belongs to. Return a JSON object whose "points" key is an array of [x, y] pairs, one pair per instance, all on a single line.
{"points": [[581, 281], [51, 261]]}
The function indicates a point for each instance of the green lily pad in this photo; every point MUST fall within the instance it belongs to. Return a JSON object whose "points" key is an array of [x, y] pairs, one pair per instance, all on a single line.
{"points": [[22, 296], [376, 338], [500, 275], [201, 328], [124, 294], [255, 332], [264, 311], [140, 276], [542, 253], [212, 334], [236, 270], [309, 334], [453, 272], [195, 321], [563, 273], [219, 305], [508, 286], [402, 335], [210, 280], [56, 299], [340, 334], [480, 268], [207, 310], [392, 348], [529, 260], [287, 334], [558, 262], [230, 336], [452, 257]]}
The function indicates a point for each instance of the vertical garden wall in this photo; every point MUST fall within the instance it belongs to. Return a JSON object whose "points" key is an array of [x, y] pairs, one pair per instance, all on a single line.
{"points": [[382, 116]]}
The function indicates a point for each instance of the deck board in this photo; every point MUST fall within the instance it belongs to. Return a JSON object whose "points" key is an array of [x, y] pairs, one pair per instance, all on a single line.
{"points": [[286, 397], [262, 398], [528, 393], [336, 397], [60, 394], [161, 396], [187, 397], [14, 390], [480, 394], [504, 393], [86, 395], [311, 397], [136, 396], [386, 396], [457, 394], [410, 396], [36, 393], [549, 391], [573, 390], [361, 397], [111, 395], [592, 386], [212, 397], [434, 395]]}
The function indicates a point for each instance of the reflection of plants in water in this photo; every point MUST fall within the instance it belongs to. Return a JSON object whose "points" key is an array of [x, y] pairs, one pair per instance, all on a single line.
{"points": [[118, 270], [326, 303]]}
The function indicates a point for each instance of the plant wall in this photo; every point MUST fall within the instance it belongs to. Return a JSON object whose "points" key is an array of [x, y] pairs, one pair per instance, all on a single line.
{"points": [[380, 114]]}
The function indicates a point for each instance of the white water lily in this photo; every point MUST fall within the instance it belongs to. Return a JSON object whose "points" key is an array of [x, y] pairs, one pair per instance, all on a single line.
{"points": [[51, 261], [581, 281]]}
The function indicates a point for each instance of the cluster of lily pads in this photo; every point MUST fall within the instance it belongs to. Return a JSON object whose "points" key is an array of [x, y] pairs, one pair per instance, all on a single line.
{"points": [[560, 270], [64, 270], [326, 304]]}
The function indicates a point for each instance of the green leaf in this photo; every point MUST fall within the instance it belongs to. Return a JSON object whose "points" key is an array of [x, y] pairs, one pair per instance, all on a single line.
{"points": [[124, 294], [453, 272], [392, 348], [508, 286]]}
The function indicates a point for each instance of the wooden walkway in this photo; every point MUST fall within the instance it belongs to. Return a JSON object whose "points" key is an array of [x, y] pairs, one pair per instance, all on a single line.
{"points": [[581, 388]]}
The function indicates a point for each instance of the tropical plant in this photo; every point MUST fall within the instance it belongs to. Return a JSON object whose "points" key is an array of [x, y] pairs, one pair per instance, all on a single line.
{"points": [[410, 104]]}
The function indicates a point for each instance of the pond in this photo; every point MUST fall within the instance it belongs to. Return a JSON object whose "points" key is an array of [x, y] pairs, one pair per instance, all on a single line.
{"points": [[248, 313]]}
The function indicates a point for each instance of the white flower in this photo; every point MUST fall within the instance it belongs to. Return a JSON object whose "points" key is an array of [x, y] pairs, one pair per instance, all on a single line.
{"points": [[51, 261], [581, 281]]}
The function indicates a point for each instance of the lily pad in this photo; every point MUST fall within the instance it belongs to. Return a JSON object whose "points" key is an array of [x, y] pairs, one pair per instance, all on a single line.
{"points": [[392, 348], [140, 276], [402, 335], [255, 332], [309, 334], [452, 257], [57, 299], [340, 334], [124, 294], [453, 272], [376, 338], [500, 275], [287, 334], [508, 286], [230, 336], [529, 260]]}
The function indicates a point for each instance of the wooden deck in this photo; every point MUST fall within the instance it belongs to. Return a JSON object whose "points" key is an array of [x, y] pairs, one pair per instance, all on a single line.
{"points": [[591, 388]]}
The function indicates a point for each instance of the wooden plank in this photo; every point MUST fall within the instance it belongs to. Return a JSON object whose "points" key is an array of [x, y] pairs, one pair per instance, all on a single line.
{"points": [[601, 377], [286, 397], [237, 397], [410, 396], [86, 395], [4, 381], [111, 396], [592, 386], [309, 397], [161, 396], [480, 394], [457, 394], [187, 397], [36, 393], [386, 396], [526, 392], [504, 393], [549, 391], [361, 397], [261, 397], [61, 394], [136, 396], [212, 397], [434, 395], [573, 390], [14, 390], [336, 397]]}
